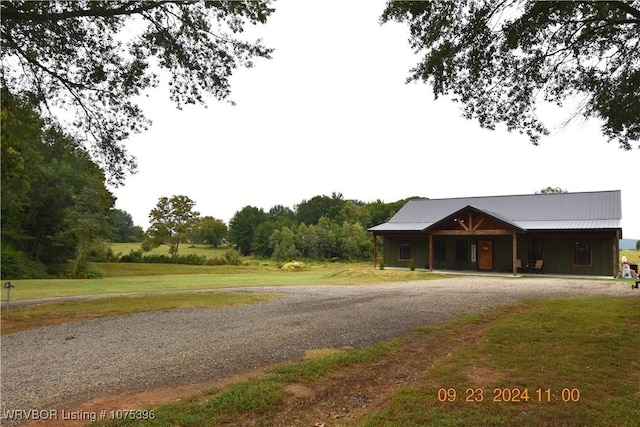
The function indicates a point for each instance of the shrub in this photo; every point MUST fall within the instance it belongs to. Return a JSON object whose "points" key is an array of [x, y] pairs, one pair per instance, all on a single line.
{"points": [[16, 265], [381, 265], [232, 257], [82, 270], [294, 266], [133, 256]]}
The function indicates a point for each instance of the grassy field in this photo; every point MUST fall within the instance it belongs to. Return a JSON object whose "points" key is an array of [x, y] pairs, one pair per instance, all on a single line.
{"points": [[135, 278], [565, 361], [545, 362], [184, 249], [633, 256]]}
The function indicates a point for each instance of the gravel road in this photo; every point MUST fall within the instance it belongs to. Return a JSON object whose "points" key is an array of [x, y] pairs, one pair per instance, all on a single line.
{"points": [[60, 366]]}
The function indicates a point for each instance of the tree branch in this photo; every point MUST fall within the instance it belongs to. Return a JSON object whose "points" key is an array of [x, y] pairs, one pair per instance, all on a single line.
{"points": [[627, 8], [13, 14]]}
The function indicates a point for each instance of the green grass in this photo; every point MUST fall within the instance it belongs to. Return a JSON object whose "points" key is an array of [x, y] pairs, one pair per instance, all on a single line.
{"points": [[633, 256], [184, 249], [24, 318], [135, 278], [586, 345]]}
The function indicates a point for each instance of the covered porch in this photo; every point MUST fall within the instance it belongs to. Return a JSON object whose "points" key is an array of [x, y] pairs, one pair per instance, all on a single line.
{"points": [[468, 239]]}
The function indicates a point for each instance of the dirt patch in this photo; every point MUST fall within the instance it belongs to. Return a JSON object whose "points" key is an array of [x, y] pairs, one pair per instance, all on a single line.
{"points": [[352, 393]]}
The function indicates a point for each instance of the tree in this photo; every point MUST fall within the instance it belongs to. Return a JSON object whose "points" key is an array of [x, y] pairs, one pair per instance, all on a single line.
{"points": [[124, 230], [261, 242], [552, 190], [310, 211], [55, 205], [242, 227], [283, 245], [280, 212], [354, 242], [211, 231], [501, 59], [96, 57], [328, 232], [380, 212], [83, 227], [170, 222]]}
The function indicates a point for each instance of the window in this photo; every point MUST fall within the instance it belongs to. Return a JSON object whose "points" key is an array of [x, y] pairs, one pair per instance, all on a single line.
{"points": [[439, 250], [534, 252], [405, 249], [462, 251], [582, 253]]}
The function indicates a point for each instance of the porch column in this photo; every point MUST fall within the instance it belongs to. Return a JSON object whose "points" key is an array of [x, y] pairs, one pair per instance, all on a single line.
{"points": [[616, 253], [514, 253], [375, 250], [431, 252]]}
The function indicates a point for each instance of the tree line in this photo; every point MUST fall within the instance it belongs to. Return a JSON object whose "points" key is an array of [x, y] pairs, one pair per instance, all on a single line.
{"points": [[58, 214], [323, 227]]}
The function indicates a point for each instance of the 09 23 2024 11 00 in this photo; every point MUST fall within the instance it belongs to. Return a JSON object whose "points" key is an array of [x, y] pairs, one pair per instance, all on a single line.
{"points": [[508, 394]]}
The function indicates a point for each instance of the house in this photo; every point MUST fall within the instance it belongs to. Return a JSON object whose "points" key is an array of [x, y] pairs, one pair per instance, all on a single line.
{"points": [[567, 233]]}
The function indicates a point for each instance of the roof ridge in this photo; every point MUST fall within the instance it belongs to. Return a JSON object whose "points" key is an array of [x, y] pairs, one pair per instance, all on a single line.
{"points": [[514, 195]]}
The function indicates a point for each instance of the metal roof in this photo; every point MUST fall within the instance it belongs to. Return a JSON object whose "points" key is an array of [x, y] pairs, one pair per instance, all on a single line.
{"points": [[559, 211]]}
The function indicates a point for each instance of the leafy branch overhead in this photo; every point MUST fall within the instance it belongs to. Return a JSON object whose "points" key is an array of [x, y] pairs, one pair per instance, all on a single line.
{"points": [[500, 59], [93, 58]]}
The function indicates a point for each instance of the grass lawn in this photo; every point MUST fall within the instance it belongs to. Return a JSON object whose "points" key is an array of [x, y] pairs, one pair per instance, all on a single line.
{"points": [[545, 362], [633, 256], [184, 249], [135, 278], [563, 361]]}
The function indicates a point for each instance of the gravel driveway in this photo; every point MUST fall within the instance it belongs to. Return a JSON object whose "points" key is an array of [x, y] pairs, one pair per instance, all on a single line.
{"points": [[59, 366]]}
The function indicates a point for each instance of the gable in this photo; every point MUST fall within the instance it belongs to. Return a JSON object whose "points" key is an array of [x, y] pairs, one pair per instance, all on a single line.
{"points": [[470, 220]]}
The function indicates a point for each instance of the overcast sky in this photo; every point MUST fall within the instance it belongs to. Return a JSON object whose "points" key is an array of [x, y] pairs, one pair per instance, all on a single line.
{"points": [[331, 113]]}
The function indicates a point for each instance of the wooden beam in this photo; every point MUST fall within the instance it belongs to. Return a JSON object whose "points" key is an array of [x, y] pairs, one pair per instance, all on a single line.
{"points": [[478, 224], [461, 224], [471, 233]]}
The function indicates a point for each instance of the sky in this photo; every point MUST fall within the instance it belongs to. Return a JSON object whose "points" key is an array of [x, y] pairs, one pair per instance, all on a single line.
{"points": [[331, 112]]}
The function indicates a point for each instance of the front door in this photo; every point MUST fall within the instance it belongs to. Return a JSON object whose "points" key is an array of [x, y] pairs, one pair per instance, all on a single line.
{"points": [[485, 255]]}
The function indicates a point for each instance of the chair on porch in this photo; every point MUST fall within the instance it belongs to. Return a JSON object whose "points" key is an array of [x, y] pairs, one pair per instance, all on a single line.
{"points": [[519, 266], [538, 267]]}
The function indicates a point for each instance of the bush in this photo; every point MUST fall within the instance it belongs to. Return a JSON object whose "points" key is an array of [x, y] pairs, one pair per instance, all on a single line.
{"points": [[294, 266], [102, 253], [16, 265], [190, 259], [133, 256], [381, 265], [82, 270], [232, 257]]}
